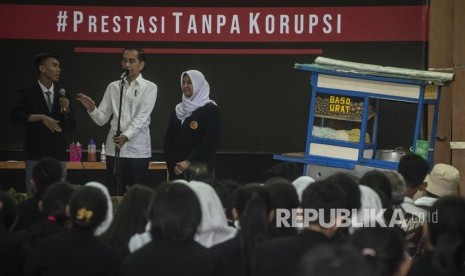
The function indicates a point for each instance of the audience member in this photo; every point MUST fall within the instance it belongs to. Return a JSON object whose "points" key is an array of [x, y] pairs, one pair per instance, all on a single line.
{"points": [[77, 251], [281, 256], [380, 183], [46, 172], [384, 249], [442, 181], [301, 183], [213, 228], [333, 260], [11, 258], [105, 224], [253, 210], [397, 182], [175, 216], [370, 204], [226, 190], [131, 217], [283, 196], [446, 233], [287, 170], [414, 170], [198, 172], [55, 220], [353, 191]]}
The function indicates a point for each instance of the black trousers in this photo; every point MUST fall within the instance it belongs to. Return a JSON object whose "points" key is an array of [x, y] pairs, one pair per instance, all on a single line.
{"points": [[130, 171]]}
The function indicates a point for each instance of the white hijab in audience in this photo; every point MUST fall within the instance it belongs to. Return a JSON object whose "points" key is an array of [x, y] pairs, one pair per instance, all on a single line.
{"points": [[109, 216], [301, 183], [213, 228], [370, 202]]}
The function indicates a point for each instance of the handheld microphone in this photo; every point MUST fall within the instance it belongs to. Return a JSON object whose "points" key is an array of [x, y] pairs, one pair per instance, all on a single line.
{"points": [[62, 92], [124, 74]]}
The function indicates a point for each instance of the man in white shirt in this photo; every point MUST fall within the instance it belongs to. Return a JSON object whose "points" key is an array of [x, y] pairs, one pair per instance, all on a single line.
{"points": [[134, 143]]}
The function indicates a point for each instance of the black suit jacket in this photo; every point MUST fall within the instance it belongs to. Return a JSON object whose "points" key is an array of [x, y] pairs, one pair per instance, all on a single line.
{"points": [[39, 140], [195, 140]]}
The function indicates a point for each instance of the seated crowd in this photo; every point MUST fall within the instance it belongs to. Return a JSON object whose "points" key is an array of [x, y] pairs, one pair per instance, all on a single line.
{"points": [[409, 222]]}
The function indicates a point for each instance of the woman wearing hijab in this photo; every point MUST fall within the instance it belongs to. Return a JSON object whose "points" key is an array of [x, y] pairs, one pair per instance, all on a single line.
{"points": [[194, 127]]}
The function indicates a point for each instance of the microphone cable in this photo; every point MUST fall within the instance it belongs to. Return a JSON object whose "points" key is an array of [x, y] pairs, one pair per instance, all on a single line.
{"points": [[72, 138]]}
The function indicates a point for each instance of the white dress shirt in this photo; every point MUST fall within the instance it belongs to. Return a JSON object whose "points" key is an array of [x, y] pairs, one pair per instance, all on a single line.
{"points": [[139, 99]]}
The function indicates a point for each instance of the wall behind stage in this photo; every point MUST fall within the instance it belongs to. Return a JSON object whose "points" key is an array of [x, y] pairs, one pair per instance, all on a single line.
{"points": [[264, 102]]}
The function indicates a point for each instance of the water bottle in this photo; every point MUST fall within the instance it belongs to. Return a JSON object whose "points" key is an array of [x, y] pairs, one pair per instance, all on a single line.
{"points": [[91, 151], [103, 154]]}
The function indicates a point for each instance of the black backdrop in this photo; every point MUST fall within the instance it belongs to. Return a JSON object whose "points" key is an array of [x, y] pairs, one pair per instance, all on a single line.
{"points": [[264, 102]]}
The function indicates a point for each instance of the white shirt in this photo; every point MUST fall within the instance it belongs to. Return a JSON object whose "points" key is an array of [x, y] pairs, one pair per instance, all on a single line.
{"points": [[426, 201], [410, 207], [139, 99]]}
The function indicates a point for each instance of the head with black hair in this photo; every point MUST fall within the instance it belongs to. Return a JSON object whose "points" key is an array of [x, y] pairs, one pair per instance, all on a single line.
{"points": [[226, 190], [131, 217], [175, 213], [414, 170], [41, 58], [140, 52], [384, 249], [46, 172], [378, 181], [283, 196], [197, 171], [253, 209], [54, 201], [133, 62], [8, 213], [87, 208], [446, 231], [325, 197], [287, 170], [397, 186], [348, 183]]}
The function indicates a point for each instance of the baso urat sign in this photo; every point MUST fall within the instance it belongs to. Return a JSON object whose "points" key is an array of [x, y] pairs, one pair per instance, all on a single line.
{"points": [[225, 24], [339, 104]]}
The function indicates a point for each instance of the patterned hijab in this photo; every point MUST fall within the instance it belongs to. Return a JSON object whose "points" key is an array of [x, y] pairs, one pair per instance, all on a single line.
{"points": [[200, 95]]}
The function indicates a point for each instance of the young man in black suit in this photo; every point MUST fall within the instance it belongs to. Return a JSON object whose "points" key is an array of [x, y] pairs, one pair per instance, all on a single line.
{"points": [[46, 114]]}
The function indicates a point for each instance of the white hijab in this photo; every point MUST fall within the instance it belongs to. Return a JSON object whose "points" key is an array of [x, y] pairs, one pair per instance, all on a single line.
{"points": [[301, 183], [105, 224], [369, 200], [200, 95], [213, 228]]}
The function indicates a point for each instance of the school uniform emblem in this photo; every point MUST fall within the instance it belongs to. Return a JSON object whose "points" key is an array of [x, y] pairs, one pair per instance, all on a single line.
{"points": [[194, 125]]}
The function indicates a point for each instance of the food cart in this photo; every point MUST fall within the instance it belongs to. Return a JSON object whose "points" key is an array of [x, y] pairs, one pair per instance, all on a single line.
{"points": [[343, 123]]}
